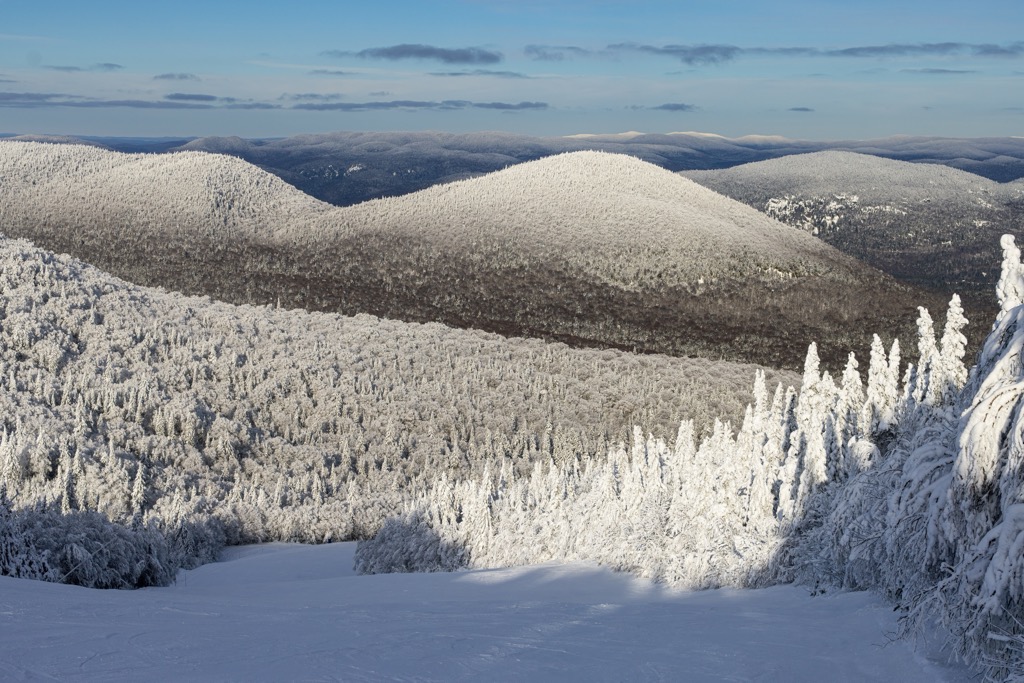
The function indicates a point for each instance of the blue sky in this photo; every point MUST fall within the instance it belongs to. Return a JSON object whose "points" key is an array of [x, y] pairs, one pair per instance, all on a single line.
{"points": [[799, 68]]}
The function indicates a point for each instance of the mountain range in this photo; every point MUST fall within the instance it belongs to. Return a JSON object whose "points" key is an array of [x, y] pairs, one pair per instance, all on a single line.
{"points": [[345, 168], [590, 248]]}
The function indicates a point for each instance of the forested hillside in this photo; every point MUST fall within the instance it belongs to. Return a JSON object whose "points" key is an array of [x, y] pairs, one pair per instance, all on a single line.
{"points": [[221, 424], [925, 224], [588, 248]]}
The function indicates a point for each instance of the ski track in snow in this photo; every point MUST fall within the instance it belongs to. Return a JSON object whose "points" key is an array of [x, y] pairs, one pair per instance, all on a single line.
{"points": [[291, 612]]}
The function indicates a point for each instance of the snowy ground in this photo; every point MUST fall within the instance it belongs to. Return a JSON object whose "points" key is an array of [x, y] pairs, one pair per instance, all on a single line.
{"points": [[298, 613]]}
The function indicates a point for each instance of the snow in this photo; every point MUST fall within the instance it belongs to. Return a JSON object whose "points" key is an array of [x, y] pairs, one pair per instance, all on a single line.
{"points": [[295, 612]]}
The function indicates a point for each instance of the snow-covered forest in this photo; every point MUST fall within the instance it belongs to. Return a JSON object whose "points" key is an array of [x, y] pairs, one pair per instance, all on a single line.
{"points": [[911, 486], [142, 431], [226, 424]]}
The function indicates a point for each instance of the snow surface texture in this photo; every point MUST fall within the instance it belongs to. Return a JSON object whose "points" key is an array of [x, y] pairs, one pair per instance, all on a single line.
{"points": [[290, 612]]}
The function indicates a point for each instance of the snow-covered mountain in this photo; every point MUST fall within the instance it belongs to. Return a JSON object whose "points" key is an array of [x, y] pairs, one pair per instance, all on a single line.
{"points": [[922, 223], [590, 248]]}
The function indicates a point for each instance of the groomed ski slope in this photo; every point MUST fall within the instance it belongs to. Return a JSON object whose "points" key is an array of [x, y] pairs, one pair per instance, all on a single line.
{"points": [[292, 612]]}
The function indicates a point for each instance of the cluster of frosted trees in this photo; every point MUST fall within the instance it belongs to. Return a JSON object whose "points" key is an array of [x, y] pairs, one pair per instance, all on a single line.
{"points": [[210, 423], [912, 485]]}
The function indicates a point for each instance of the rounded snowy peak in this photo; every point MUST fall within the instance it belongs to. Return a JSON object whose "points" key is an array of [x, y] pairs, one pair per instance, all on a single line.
{"points": [[819, 173], [161, 191], [611, 214]]}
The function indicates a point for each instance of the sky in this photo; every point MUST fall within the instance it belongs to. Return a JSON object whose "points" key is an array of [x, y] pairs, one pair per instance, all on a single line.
{"points": [[813, 69]]}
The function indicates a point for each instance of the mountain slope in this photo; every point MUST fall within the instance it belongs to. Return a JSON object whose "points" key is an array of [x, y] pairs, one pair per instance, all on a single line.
{"points": [[287, 424], [926, 224], [589, 248]]}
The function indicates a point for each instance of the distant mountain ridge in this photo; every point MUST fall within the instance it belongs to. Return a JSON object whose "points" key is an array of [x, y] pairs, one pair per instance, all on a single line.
{"points": [[587, 248], [927, 224], [346, 168]]}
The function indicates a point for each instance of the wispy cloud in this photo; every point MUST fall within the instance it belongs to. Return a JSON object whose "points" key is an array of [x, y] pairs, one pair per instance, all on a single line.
{"points": [[481, 72], [175, 77], [43, 100], [192, 97], [554, 53], [506, 106], [28, 99], [706, 55], [462, 55], [413, 105], [702, 55], [675, 106], [801, 109], [311, 97], [328, 72], [134, 104], [938, 72], [105, 66], [252, 105]]}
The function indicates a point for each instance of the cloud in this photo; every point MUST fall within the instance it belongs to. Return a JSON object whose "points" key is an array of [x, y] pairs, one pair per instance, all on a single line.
{"points": [[675, 106], [482, 72], [190, 97], [938, 71], [1011, 50], [554, 53], [800, 109], [706, 55], [43, 100], [252, 105], [29, 99], [105, 66], [688, 54], [131, 104], [463, 55], [329, 72], [312, 96], [175, 77], [506, 106], [381, 93], [444, 105]]}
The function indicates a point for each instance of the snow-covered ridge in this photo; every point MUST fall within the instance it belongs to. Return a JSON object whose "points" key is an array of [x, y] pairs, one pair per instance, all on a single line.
{"points": [[528, 250], [821, 173], [611, 214], [922, 223]]}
